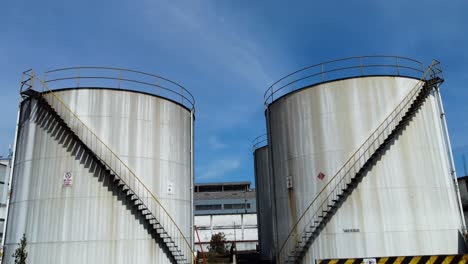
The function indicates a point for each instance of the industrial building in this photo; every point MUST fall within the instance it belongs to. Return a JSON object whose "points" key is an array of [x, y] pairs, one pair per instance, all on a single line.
{"points": [[103, 168], [357, 164], [4, 178], [228, 208]]}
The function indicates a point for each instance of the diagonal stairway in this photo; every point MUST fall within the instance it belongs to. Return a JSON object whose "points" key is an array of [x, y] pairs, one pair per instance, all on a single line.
{"points": [[141, 200], [330, 198]]}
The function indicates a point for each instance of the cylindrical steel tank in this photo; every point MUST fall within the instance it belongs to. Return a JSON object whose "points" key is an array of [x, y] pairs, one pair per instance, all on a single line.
{"points": [[406, 203], [86, 220], [264, 192]]}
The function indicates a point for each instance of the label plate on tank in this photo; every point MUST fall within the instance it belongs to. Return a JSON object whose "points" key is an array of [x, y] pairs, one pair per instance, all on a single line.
{"points": [[67, 179]]}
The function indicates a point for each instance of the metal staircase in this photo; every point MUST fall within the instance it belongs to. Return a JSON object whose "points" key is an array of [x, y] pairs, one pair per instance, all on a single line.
{"points": [[329, 199], [161, 225]]}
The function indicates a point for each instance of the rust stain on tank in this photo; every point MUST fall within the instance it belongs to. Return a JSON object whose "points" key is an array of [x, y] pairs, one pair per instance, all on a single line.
{"points": [[292, 205]]}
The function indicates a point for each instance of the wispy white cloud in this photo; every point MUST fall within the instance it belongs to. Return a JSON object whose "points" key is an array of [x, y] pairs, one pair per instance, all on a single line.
{"points": [[218, 168], [215, 143], [215, 39], [229, 60]]}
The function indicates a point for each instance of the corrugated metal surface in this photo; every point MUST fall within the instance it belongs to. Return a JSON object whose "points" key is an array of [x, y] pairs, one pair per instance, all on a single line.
{"points": [[87, 223], [405, 205], [265, 202]]}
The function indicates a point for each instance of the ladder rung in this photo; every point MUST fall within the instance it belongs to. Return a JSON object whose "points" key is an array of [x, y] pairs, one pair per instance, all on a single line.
{"points": [[149, 217], [145, 211], [161, 232]]}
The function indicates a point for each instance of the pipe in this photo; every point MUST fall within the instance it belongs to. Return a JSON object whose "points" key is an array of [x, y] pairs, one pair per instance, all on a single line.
{"points": [[453, 171], [200, 243], [192, 179]]}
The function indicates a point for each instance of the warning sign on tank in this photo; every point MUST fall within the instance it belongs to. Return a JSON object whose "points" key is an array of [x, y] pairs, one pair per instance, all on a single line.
{"points": [[67, 179], [320, 176]]}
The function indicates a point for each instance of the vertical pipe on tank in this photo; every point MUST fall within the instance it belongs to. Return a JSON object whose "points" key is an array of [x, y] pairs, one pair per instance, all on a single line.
{"points": [[12, 166], [191, 183], [453, 171]]}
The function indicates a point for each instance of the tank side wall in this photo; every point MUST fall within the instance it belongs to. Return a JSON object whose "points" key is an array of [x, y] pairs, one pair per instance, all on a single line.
{"points": [[151, 135], [317, 129], [88, 222], [407, 203]]}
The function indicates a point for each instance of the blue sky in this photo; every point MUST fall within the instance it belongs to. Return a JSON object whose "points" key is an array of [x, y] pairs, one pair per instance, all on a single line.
{"points": [[228, 52]]}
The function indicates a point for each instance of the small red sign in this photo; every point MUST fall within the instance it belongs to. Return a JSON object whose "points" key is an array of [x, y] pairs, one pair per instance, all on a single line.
{"points": [[321, 175]]}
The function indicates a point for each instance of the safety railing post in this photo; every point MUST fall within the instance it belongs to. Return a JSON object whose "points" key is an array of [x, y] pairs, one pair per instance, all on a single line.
{"points": [[45, 81], [156, 87], [323, 73], [292, 83], [78, 79], [120, 77], [272, 95], [182, 95], [360, 66], [397, 65], [22, 82], [32, 79]]}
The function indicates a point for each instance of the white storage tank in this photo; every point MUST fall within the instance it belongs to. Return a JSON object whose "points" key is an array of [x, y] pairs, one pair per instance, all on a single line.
{"points": [[264, 192], [397, 196], [116, 187]]}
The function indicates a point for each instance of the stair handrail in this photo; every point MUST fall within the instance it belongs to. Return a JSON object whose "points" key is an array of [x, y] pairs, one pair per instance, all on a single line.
{"points": [[29, 83], [433, 70]]}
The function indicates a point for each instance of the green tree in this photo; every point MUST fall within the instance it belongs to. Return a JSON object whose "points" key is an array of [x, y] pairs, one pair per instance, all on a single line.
{"points": [[20, 254], [218, 244]]}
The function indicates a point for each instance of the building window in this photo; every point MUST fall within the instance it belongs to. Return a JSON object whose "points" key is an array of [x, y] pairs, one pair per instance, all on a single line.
{"points": [[236, 206], [205, 207]]}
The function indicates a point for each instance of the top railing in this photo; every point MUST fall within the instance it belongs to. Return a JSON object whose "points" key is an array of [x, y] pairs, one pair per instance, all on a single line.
{"points": [[259, 142], [118, 78], [344, 68]]}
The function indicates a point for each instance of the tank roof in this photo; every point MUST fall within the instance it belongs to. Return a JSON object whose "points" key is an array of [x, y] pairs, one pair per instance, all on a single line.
{"points": [[120, 79], [351, 67]]}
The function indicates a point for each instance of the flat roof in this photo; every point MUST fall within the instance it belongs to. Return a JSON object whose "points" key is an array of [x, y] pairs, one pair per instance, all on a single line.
{"points": [[224, 195], [223, 183]]}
